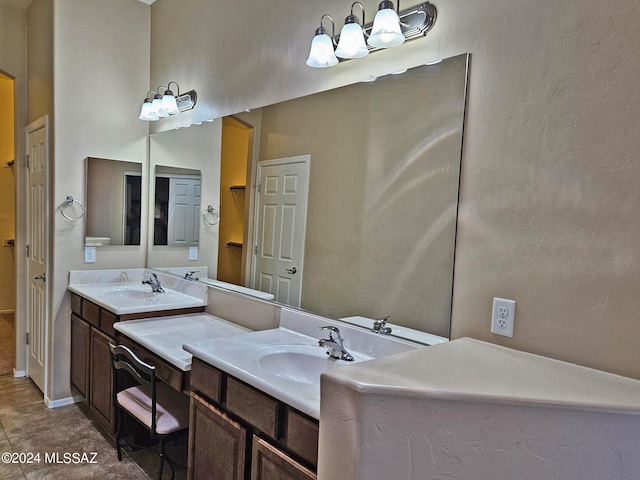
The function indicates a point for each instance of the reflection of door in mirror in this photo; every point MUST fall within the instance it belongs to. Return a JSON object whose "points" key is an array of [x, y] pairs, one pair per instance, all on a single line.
{"points": [[177, 208], [133, 194], [114, 202], [281, 223]]}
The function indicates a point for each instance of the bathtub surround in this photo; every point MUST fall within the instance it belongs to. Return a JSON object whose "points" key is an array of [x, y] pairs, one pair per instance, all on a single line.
{"points": [[473, 410]]}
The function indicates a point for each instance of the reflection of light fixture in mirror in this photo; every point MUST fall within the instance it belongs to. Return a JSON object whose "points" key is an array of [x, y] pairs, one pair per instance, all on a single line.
{"points": [[352, 44], [168, 104], [321, 54], [413, 23]]}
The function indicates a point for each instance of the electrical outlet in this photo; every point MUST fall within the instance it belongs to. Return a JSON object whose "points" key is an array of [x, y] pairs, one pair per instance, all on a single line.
{"points": [[503, 316], [89, 254], [193, 253]]}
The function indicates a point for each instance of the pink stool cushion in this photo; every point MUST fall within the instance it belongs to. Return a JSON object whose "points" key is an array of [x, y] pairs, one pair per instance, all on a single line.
{"points": [[172, 407]]}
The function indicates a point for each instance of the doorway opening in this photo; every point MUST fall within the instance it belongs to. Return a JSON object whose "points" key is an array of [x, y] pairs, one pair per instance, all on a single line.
{"points": [[7, 226], [237, 143]]}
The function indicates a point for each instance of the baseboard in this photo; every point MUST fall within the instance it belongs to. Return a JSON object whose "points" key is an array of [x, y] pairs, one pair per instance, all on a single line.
{"points": [[19, 373], [59, 403]]}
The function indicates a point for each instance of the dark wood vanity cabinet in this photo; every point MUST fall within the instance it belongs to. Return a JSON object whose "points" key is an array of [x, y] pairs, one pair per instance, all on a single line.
{"points": [[239, 433], [90, 360], [80, 351], [91, 331]]}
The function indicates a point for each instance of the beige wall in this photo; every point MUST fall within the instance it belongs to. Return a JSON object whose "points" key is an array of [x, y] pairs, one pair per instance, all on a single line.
{"points": [[101, 52], [549, 196]]}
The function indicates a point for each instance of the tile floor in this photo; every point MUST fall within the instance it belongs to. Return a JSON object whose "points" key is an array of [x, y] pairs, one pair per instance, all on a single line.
{"points": [[27, 426]]}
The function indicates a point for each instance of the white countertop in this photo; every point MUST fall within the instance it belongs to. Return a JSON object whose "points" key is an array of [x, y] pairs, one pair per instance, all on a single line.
{"points": [[234, 357], [165, 336]]}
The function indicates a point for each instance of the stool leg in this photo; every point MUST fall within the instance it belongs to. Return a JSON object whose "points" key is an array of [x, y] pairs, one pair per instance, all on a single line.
{"points": [[118, 425], [161, 466]]}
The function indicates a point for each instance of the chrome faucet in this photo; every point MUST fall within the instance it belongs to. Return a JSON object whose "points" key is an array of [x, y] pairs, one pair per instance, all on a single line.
{"points": [[335, 348], [189, 275], [379, 326], [153, 282]]}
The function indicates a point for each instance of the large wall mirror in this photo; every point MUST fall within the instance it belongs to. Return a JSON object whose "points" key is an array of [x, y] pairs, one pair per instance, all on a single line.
{"points": [[381, 195], [114, 202]]}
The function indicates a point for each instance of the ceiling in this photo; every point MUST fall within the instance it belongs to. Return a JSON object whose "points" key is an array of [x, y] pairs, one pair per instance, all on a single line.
{"points": [[26, 3]]}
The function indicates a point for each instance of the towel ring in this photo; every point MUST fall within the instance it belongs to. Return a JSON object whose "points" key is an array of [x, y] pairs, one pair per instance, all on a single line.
{"points": [[68, 202], [215, 215]]}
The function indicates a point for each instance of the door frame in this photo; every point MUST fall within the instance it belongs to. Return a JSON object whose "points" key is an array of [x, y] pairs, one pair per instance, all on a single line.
{"points": [[306, 161], [42, 122]]}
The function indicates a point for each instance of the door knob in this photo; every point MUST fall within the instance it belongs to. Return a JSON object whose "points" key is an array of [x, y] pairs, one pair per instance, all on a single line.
{"points": [[42, 277], [292, 270]]}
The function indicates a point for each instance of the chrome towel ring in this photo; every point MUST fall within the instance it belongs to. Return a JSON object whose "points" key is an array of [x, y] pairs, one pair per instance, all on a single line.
{"points": [[69, 202], [213, 213]]}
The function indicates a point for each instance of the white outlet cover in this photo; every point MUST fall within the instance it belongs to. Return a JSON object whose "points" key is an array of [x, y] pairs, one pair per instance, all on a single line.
{"points": [[193, 253], [501, 323], [89, 254]]}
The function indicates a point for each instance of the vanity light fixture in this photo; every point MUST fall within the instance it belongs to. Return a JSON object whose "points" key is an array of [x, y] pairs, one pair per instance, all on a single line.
{"points": [[322, 54], [386, 32], [388, 29], [156, 106], [352, 43]]}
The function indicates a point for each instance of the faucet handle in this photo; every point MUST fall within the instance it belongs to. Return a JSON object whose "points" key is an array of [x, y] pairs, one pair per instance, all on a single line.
{"points": [[332, 330], [379, 325]]}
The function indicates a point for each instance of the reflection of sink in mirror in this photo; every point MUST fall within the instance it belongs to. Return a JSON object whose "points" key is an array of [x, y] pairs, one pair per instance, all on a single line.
{"points": [[297, 363]]}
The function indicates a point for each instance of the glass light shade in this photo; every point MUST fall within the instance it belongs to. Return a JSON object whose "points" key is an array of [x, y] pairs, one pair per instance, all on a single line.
{"points": [[169, 103], [321, 54], [386, 32], [156, 107], [351, 43], [146, 112]]}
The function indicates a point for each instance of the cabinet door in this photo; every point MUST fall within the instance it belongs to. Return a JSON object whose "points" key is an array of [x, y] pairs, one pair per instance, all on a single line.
{"points": [[101, 385], [217, 444], [269, 463], [80, 338]]}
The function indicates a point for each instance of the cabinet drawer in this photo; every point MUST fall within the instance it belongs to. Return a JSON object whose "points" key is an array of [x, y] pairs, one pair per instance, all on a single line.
{"points": [[252, 406], [107, 319], [302, 436], [206, 379], [164, 370], [91, 312], [76, 304]]}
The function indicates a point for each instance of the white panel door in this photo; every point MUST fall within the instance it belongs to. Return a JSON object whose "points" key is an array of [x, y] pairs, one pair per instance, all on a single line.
{"points": [[281, 221], [184, 211], [37, 325]]}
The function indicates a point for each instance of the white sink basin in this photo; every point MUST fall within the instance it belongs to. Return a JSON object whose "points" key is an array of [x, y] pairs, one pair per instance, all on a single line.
{"points": [[133, 293], [294, 362], [124, 298]]}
